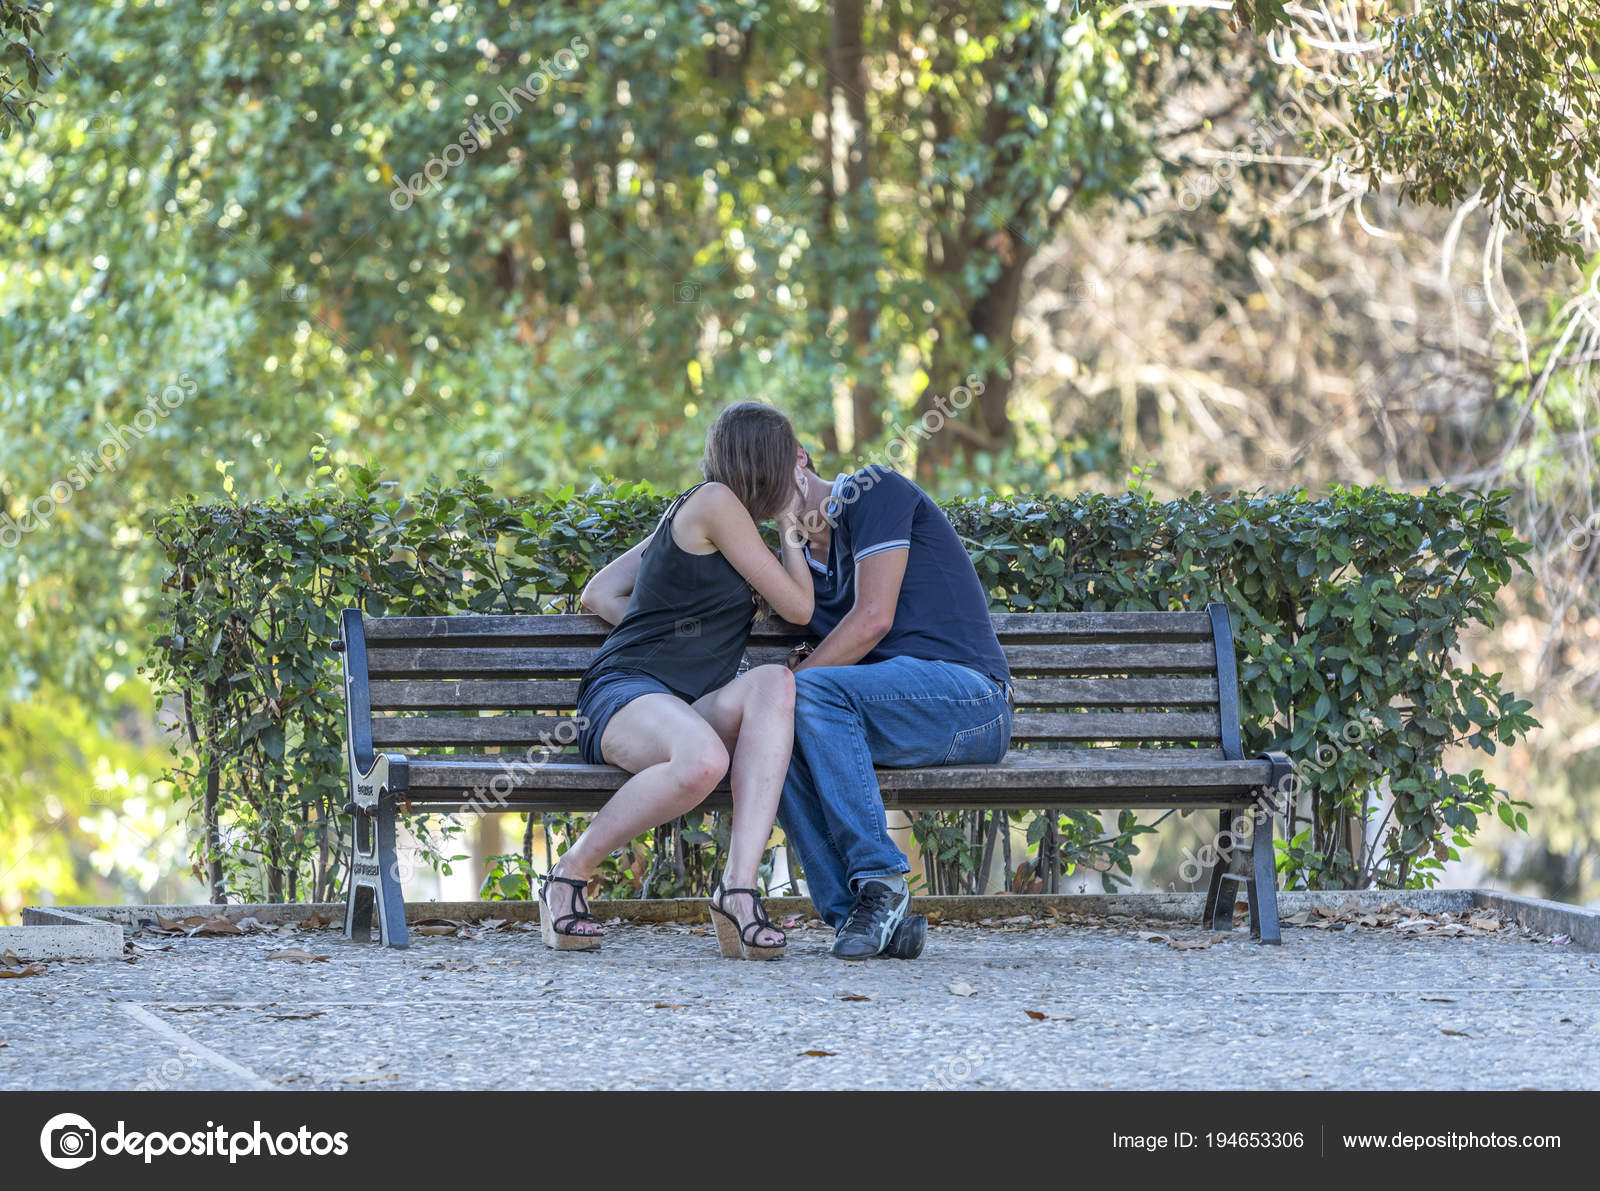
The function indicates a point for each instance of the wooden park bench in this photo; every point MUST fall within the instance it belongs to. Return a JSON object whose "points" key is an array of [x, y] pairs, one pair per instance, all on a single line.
{"points": [[427, 697]]}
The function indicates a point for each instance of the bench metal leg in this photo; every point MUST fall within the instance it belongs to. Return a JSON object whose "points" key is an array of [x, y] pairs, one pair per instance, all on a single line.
{"points": [[1218, 914], [1263, 886], [374, 876]]}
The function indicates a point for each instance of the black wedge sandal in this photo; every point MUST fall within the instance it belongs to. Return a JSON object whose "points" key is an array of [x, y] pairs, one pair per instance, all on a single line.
{"points": [[558, 933], [739, 942]]}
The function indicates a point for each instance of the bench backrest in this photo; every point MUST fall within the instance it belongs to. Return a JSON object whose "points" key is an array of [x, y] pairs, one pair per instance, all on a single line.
{"points": [[1081, 677]]}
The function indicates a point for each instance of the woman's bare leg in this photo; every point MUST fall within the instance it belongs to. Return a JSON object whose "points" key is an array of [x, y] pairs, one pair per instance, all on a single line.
{"points": [[754, 717], [676, 760]]}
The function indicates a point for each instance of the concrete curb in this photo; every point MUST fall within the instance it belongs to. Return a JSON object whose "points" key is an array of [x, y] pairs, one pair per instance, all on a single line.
{"points": [[966, 908], [50, 933], [1581, 926]]}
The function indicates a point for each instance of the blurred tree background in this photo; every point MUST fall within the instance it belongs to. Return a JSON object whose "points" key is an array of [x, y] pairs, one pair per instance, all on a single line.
{"points": [[1235, 245]]}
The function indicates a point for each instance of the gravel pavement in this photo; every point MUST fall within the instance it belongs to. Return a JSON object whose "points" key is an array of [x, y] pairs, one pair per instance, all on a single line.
{"points": [[1073, 1002]]}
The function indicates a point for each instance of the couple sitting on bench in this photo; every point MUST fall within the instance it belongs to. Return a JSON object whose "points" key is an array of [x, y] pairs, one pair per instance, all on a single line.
{"points": [[908, 673]]}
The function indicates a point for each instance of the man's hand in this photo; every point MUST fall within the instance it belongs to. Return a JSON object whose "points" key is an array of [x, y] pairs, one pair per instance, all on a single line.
{"points": [[797, 655]]}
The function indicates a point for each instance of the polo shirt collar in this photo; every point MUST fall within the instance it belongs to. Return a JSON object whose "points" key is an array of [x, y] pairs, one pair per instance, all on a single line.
{"points": [[839, 482]]}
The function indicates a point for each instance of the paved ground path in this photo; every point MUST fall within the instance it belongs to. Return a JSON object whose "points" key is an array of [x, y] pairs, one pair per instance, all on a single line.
{"points": [[657, 1008]]}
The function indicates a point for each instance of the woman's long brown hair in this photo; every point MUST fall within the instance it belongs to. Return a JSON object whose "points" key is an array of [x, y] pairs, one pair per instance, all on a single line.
{"points": [[751, 448]]}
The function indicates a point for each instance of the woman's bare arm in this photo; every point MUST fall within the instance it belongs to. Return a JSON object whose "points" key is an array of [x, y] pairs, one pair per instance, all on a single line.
{"points": [[607, 594], [718, 519]]}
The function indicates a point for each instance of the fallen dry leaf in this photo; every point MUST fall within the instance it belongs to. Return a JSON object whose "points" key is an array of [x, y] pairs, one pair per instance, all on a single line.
{"points": [[1149, 936], [1484, 922], [1456, 1033], [1193, 944], [854, 997], [294, 955], [374, 1077], [439, 926], [1349, 907], [213, 926], [819, 1054], [12, 968], [296, 1016], [962, 989], [664, 1005]]}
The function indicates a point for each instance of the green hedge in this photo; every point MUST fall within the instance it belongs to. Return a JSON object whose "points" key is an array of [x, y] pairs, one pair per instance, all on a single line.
{"points": [[1349, 612]]}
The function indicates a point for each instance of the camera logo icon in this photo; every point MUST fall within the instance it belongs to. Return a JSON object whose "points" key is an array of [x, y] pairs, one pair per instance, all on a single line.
{"points": [[687, 627], [68, 1141]]}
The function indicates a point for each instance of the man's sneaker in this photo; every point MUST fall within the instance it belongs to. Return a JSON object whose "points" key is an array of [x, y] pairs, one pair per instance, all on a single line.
{"points": [[878, 910], [908, 938]]}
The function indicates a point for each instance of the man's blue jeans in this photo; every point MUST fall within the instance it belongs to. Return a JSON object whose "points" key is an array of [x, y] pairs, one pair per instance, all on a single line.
{"points": [[904, 712]]}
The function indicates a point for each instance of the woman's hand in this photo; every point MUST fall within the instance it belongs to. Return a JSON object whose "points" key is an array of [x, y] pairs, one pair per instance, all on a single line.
{"points": [[791, 521]]}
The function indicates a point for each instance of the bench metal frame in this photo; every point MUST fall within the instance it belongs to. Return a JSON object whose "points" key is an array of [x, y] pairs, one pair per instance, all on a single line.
{"points": [[524, 667]]}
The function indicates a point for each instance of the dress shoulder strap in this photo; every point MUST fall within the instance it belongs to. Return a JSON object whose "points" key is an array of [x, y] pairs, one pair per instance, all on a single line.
{"points": [[672, 509]]}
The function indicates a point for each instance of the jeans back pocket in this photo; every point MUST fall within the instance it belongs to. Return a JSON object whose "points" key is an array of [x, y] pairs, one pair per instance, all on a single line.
{"points": [[983, 745]]}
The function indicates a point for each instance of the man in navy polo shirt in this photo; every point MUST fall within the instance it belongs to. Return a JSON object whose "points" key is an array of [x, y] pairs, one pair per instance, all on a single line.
{"points": [[908, 673]]}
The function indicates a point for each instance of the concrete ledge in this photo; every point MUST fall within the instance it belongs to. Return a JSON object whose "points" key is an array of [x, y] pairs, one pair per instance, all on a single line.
{"points": [[49, 933], [1163, 906], [1581, 926]]}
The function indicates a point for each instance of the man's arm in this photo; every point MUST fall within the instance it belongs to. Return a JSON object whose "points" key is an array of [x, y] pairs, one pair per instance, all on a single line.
{"points": [[878, 581]]}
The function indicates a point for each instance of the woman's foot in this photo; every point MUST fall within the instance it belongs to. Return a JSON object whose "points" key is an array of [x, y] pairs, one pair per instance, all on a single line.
{"points": [[564, 918], [743, 928]]}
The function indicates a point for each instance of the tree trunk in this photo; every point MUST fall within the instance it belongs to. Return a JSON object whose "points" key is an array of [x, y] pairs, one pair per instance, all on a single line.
{"points": [[847, 79]]}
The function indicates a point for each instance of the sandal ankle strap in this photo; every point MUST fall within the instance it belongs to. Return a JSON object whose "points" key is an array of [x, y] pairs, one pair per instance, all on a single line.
{"points": [[560, 925]]}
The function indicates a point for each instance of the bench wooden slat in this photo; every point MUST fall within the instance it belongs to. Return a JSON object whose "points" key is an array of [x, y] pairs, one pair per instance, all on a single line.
{"points": [[489, 783], [549, 661], [1116, 692], [551, 629], [484, 694], [1185, 796], [557, 731], [487, 694], [1025, 768], [1116, 725], [446, 731]]}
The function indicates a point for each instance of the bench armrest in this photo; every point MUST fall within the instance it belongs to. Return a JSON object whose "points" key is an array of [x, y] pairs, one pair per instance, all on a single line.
{"points": [[370, 772]]}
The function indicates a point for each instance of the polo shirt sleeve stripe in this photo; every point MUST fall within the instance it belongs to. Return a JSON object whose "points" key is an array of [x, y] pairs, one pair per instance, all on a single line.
{"points": [[898, 544]]}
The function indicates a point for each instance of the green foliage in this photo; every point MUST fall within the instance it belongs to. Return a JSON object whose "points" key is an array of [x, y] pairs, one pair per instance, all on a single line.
{"points": [[1350, 609], [82, 818], [1491, 98], [22, 67]]}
